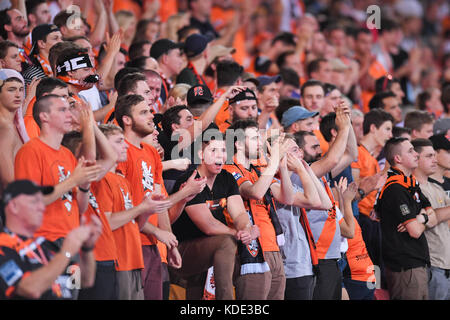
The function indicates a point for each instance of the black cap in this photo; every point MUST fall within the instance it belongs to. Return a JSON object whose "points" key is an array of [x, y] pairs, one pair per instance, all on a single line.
{"points": [[163, 46], [440, 141], [18, 187], [246, 94], [196, 44], [40, 32], [199, 94]]}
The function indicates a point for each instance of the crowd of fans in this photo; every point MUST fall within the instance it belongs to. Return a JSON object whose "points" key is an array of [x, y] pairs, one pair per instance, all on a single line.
{"points": [[225, 149]]}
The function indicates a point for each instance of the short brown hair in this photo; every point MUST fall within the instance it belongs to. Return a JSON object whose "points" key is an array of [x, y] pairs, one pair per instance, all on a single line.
{"points": [[4, 46], [42, 105], [391, 149], [124, 105], [416, 119], [129, 82], [420, 143], [56, 50]]}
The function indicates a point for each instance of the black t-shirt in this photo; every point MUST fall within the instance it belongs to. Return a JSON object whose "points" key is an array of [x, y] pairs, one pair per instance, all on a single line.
{"points": [[399, 250], [169, 146], [224, 186], [15, 264]]}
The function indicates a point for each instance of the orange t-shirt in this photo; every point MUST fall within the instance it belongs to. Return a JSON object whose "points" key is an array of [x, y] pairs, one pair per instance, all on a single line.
{"points": [[259, 209], [358, 259], [224, 126], [114, 195], [44, 165], [32, 127], [368, 166], [143, 169], [324, 145], [220, 18], [224, 112], [376, 70], [128, 5], [105, 247], [167, 9]]}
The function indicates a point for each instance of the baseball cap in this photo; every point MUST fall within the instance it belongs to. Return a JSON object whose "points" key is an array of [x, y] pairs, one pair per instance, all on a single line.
{"points": [[337, 64], [18, 187], [199, 93], [266, 80], [5, 74], [246, 94], [296, 113], [440, 141], [441, 126], [218, 51], [39, 33], [163, 46], [195, 44]]}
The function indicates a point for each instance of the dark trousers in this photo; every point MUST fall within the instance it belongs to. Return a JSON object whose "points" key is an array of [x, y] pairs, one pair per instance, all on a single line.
{"points": [[359, 290], [371, 232], [152, 273], [105, 286], [301, 288], [329, 281]]}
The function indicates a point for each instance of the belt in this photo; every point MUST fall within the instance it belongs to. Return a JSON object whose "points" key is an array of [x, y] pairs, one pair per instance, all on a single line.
{"points": [[108, 265]]}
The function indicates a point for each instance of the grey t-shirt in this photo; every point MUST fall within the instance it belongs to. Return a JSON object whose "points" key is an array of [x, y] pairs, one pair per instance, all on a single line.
{"points": [[296, 253]]}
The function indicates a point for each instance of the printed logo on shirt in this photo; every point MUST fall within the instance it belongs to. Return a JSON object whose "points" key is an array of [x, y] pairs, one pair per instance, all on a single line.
{"points": [[10, 272], [237, 176], [404, 209], [126, 200], [147, 177], [93, 202], [253, 246], [68, 195], [216, 204]]}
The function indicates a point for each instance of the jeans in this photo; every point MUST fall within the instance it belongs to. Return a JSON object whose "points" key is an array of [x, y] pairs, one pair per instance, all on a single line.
{"points": [[439, 284]]}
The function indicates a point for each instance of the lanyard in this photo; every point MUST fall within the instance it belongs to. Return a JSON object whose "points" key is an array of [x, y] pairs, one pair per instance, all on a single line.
{"points": [[197, 76], [27, 249]]}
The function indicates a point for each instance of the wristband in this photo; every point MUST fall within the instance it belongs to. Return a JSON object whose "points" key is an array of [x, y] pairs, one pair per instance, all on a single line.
{"points": [[361, 192], [83, 190], [425, 216], [87, 249]]}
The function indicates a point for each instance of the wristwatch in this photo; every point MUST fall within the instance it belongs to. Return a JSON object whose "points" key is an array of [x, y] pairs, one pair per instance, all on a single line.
{"points": [[361, 192], [425, 216]]}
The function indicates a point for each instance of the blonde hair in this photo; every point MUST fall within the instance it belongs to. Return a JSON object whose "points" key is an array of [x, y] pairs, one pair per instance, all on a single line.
{"points": [[180, 90], [123, 17], [110, 129], [175, 23]]}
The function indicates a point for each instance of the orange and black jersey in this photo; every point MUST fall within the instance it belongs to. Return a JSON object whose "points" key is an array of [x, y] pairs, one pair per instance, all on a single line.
{"points": [[399, 202], [216, 199], [19, 256]]}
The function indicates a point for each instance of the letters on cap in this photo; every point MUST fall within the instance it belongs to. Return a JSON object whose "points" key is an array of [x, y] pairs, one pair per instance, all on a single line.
{"points": [[75, 63]]}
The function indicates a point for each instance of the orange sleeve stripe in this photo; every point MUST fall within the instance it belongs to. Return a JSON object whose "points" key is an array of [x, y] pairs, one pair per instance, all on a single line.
{"points": [[10, 291], [408, 221]]}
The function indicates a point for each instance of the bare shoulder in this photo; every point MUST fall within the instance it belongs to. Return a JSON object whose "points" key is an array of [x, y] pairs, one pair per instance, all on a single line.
{"points": [[10, 140]]}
